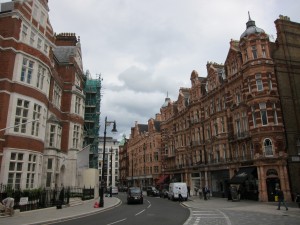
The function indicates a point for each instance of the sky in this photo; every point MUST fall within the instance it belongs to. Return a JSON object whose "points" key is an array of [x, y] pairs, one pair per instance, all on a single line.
{"points": [[147, 49]]}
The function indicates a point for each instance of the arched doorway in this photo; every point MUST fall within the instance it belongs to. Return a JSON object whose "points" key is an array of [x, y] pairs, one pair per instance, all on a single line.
{"points": [[273, 183]]}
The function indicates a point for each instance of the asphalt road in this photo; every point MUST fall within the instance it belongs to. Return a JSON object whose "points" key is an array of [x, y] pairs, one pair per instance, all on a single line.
{"points": [[155, 210]]}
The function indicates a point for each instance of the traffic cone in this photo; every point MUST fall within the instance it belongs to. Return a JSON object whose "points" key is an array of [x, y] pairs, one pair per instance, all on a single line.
{"points": [[96, 205]]}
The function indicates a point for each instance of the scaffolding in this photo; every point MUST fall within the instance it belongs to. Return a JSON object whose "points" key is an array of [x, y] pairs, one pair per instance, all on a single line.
{"points": [[93, 94]]}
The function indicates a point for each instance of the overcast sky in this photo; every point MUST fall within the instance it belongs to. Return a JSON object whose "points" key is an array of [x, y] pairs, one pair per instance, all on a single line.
{"points": [[144, 49]]}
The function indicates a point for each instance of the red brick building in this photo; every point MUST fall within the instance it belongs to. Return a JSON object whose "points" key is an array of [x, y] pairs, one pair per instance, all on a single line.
{"points": [[144, 155], [41, 98], [228, 129]]}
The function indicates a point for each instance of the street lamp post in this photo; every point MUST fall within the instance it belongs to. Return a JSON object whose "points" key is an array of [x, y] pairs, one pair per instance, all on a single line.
{"points": [[144, 147], [106, 123], [132, 169], [111, 173]]}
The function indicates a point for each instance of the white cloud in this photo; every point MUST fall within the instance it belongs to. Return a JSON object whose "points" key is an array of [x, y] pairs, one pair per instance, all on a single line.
{"points": [[144, 49]]}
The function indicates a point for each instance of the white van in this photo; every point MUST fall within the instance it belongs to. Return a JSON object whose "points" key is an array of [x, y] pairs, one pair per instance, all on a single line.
{"points": [[173, 190]]}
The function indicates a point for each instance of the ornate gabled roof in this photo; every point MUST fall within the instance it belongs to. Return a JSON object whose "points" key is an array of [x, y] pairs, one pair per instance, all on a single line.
{"points": [[143, 128], [251, 28], [157, 125]]}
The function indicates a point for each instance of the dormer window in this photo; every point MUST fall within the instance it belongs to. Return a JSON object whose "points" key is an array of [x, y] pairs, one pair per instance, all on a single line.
{"points": [[263, 113], [270, 82], [35, 12], [238, 98], [246, 55], [32, 37], [259, 84], [249, 85], [275, 114], [42, 18], [263, 51], [46, 48], [268, 148], [254, 52], [24, 32]]}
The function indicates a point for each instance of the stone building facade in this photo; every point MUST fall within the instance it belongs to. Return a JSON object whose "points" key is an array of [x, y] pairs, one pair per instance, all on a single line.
{"points": [[111, 161], [41, 98]]}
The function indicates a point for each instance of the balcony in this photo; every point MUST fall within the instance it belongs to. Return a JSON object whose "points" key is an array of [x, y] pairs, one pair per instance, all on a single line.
{"points": [[239, 136]]}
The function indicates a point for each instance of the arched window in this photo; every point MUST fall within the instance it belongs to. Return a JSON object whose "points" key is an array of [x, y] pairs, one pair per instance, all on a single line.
{"points": [[244, 152], [268, 147], [272, 172], [251, 150]]}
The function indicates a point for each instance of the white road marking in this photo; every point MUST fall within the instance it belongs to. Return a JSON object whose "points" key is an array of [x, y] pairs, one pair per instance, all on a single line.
{"points": [[117, 221], [140, 212]]}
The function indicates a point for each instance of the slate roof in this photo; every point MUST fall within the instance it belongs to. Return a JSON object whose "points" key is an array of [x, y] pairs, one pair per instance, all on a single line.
{"points": [[63, 53]]}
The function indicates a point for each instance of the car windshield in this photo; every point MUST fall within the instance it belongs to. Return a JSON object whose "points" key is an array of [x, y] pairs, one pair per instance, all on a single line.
{"points": [[137, 191]]}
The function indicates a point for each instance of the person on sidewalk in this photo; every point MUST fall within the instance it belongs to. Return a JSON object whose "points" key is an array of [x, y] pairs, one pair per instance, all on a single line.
{"points": [[207, 193], [179, 195], [204, 193], [200, 193], [281, 199], [195, 190], [9, 205]]}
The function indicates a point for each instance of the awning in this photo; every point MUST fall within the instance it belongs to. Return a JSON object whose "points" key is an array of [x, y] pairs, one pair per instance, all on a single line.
{"points": [[162, 179], [242, 175]]}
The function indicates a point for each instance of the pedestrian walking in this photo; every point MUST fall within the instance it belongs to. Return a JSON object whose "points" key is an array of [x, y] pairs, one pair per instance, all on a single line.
{"points": [[179, 195], [204, 193], [195, 190], [281, 199], [189, 191], [200, 193], [207, 193], [9, 205]]}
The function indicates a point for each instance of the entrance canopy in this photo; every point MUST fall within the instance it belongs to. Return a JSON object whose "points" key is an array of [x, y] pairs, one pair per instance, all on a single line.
{"points": [[242, 175], [162, 179]]}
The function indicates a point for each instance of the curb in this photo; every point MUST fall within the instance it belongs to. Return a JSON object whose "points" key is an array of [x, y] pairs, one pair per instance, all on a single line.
{"points": [[76, 216]]}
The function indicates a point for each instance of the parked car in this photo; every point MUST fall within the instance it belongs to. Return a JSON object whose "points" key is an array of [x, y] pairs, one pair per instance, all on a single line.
{"points": [[134, 194], [123, 188], [114, 191], [152, 191], [164, 193]]}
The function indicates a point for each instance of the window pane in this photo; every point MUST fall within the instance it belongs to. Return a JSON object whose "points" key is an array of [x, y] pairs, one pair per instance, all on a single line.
{"points": [[13, 156], [11, 166], [20, 156], [19, 166]]}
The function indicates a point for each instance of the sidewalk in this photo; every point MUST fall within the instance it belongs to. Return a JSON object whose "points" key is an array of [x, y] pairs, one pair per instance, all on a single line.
{"points": [[244, 205], [42, 216]]}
